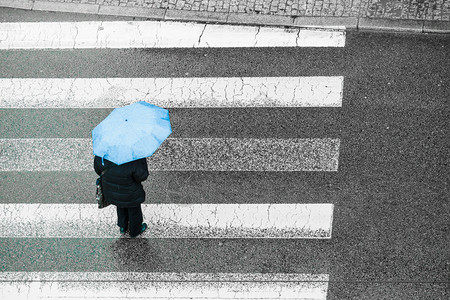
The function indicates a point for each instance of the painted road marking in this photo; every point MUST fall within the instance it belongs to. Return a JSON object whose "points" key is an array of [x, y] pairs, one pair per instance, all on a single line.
{"points": [[142, 285], [293, 221], [155, 34], [179, 154], [320, 91]]}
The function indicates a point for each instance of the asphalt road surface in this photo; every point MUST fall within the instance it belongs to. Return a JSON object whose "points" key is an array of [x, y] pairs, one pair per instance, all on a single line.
{"points": [[391, 222]]}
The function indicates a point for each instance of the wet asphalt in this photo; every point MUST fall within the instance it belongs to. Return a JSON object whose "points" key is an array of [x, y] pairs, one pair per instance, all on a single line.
{"points": [[391, 223]]}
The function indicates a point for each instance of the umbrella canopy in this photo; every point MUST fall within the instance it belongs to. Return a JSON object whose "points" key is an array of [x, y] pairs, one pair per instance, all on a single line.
{"points": [[131, 132]]}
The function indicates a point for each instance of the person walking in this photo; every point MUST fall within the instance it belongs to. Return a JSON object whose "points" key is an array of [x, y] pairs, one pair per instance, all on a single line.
{"points": [[120, 143], [122, 187]]}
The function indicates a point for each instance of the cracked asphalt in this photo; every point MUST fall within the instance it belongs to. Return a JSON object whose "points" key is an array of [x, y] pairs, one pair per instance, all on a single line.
{"points": [[390, 237]]}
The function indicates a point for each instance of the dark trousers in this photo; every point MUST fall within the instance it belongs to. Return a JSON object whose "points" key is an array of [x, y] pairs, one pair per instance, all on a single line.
{"points": [[130, 218]]}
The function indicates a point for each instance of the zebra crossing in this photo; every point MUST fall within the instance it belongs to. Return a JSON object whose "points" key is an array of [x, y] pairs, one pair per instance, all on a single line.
{"points": [[171, 220], [318, 91], [43, 221], [167, 285], [155, 34]]}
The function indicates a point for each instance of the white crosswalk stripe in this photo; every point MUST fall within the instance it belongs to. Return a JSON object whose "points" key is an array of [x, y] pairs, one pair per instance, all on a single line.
{"points": [[179, 154], [129, 285], [198, 220], [154, 34], [171, 221], [320, 91]]}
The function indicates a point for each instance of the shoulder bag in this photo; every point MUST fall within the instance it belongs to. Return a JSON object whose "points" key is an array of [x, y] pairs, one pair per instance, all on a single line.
{"points": [[102, 203]]}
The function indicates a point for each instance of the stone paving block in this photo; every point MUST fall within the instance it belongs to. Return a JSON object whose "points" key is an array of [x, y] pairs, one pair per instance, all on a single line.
{"points": [[179, 4], [242, 8], [339, 12], [66, 7], [407, 9]]}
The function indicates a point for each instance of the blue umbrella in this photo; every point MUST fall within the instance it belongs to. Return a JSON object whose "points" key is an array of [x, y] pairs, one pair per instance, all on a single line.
{"points": [[131, 132]]}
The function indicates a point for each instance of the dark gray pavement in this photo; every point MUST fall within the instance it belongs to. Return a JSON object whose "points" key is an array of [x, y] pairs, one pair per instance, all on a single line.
{"points": [[391, 15], [391, 223]]}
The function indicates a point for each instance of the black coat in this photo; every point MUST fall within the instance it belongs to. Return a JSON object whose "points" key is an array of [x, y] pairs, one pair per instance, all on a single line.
{"points": [[122, 183]]}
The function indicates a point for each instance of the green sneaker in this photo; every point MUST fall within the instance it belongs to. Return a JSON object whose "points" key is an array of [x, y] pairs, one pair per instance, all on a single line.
{"points": [[144, 228]]}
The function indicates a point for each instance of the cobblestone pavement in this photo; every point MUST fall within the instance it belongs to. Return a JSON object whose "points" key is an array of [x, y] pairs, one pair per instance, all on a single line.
{"points": [[435, 10]]}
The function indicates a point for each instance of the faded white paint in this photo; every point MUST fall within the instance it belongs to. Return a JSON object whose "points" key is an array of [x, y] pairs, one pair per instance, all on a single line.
{"points": [[156, 34], [319, 91], [320, 38], [179, 154], [142, 285], [294, 221]]}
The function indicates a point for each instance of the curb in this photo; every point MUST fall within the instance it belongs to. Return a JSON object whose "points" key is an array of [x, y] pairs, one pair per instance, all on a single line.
{"points": [[65, 7], [391, 25], [350, 23], [340, 22], [436, 27], [20, 4], [141, 12]]}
